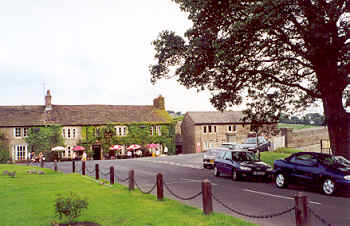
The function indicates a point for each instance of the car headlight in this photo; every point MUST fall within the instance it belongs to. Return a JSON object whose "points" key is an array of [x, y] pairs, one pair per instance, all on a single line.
{"points": [[347, 177], [245, 168]]}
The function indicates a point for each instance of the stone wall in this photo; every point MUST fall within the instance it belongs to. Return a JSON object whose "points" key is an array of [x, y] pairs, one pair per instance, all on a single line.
{"points": [[304, 137]]}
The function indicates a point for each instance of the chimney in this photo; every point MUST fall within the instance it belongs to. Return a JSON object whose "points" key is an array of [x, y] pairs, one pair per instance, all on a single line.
{"points": [[159, 103], [48, 105]]}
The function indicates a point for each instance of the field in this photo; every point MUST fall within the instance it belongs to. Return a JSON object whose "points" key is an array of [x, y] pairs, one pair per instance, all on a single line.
{"points": [[269, 157], [296, 126], [29, 199]]}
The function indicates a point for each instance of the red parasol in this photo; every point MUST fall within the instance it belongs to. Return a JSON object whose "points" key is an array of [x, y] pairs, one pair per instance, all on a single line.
{"points": [[78, 148], [134, 146], [115, 147]]}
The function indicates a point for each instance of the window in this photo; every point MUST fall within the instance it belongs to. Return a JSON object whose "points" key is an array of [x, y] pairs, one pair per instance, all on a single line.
{"points": [[68, 134], [151, 130], [63, 132], [73, 133], [121, 130], [209, 129], [25, 132], [158, 132], [214, 129], [69, 152], [204, 129], [21, 152], [231, 128], [17, 132]]}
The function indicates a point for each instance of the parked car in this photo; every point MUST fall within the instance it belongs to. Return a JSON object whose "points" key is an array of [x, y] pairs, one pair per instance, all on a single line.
{"points": [[210, 155], [231, 145], [327, 172], [240, 163], [251, 144]]}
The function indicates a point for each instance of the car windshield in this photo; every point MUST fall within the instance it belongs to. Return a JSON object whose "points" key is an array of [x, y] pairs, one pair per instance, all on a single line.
{"points": [[211, 152], [232, 146], [243, 156], [332, 160], [252, 140]]}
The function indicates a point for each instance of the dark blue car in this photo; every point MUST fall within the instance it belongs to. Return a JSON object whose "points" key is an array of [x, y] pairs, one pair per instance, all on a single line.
{"points": [[328, 172], [240, 163]]}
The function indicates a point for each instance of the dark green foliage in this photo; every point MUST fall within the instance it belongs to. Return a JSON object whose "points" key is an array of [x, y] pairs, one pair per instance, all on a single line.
{"points": [[43, 139], [274, 56], [4, 152], [70, 207]]}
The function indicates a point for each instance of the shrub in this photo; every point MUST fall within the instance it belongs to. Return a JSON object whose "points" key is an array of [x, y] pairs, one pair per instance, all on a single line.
{"points": [[4, 155], [70, 206]]}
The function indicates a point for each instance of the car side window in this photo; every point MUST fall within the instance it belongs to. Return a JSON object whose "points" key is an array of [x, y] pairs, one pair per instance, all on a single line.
{"points": [[228, 155], [235, 156], [222, 155], [304, 159]]}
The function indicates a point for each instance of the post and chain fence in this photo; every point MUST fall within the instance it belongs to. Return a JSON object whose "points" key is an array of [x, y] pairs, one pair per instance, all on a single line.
{"points": [[180, 197], [250, 215], [146, 192], [208, 195]]}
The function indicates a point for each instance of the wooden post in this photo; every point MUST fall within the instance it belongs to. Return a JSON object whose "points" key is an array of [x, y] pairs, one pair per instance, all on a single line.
{"points": [[73, 166], [83, 167], [131, 180], [111, 175], [55, 165], [206, 197], [97, 172], [160, 191], [301, 210]]}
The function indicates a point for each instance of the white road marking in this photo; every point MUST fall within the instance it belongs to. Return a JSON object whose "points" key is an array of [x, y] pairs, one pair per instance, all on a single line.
{"points": [[277, 196], [191, 180]]}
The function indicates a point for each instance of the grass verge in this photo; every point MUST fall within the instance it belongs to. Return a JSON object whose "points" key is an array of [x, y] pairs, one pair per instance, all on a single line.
{"points": [[29, 199], [269, 157]]}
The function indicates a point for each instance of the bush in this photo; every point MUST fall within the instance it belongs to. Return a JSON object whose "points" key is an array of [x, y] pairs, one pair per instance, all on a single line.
{"points": [[4, 155], [70, 206]]}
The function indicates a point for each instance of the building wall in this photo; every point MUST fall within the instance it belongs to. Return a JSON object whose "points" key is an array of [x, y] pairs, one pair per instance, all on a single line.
{"points": [[15, 144], [222, 134], [304, 137], [188, 135]]}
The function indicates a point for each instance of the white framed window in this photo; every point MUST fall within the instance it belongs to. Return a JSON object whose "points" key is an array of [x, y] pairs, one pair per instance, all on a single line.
{"points": [[158, 132], [121, 130], [69, 152], [20, 152], [151, 130], [209, 129], [231, 128], [18, 132], [70, 133], [204, 129], [25, 132]]}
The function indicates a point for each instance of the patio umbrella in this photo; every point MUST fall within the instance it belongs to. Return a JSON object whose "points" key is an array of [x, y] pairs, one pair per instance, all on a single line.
{"points": [[78, 148], [152, 145], [133, 147], [58, 148], [115, 147]]}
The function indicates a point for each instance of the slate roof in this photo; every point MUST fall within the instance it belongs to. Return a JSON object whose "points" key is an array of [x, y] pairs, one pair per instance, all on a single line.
{"points": [[70, 115], [215, 117]]}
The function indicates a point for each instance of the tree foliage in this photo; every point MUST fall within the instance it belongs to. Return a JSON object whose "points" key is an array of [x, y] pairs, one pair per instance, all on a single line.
{"points": [[275, 56], [4, 152], [43, 139]]}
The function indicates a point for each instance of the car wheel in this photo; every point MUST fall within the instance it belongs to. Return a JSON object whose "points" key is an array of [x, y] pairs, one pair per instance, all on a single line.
{"points": [[280, 180], [328, 187], [235, 175], [216, 172]]}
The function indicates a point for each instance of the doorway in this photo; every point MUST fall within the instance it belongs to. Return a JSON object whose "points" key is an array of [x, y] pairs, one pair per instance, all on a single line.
{"points": [[96, 152]]}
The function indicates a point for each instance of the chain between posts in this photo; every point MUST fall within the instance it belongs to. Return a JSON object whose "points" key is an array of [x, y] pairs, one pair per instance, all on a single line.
{"points": [[318, 217], [179, 197], [146, 192], [253, 216]]}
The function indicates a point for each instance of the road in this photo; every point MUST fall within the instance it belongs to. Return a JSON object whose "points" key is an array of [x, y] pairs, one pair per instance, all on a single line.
{"points": [[183, 175]]}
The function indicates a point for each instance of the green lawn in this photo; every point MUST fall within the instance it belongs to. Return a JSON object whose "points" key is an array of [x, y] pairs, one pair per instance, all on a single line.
{"points": [[295, 126], [29, 200], [269, 157]]}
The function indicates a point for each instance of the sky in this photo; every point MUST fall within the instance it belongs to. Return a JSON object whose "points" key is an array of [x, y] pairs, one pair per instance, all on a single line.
{"points": [[89, 52]]}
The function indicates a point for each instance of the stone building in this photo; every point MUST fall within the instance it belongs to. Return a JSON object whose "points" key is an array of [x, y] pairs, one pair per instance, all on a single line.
{"points": [[201, 130], [15, 121]]}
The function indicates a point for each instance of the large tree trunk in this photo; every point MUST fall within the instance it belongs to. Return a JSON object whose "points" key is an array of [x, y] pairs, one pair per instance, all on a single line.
{"points": [[338, 122]]}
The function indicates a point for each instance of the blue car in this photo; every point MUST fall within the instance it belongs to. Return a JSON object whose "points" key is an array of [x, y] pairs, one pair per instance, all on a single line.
{"points": [[239, 164], [327, 172]]}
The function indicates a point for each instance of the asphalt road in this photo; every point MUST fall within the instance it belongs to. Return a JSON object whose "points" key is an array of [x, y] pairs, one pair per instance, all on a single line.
{"points": [[183, 174]]}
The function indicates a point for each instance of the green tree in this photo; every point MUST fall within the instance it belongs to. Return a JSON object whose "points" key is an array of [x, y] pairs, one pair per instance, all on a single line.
{"points": [[43, 139], [4, 152], [287, 54]]}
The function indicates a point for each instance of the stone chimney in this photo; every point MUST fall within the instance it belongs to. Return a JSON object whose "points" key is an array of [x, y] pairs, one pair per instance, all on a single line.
{"points": [[48, 105], [159, 102]]}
